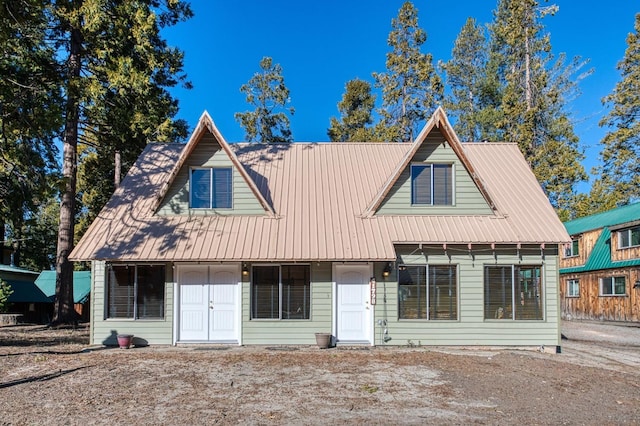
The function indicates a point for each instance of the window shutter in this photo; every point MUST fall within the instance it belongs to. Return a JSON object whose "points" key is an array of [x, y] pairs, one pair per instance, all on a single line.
{"points": [[421, 184]]}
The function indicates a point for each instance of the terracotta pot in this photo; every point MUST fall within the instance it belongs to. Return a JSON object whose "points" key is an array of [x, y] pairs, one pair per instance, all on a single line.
{"points": [[124, 340], [323, 340]]}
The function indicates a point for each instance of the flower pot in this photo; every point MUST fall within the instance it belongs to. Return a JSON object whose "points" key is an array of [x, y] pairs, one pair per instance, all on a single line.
{"points": [[124, 340], [323, 340]]}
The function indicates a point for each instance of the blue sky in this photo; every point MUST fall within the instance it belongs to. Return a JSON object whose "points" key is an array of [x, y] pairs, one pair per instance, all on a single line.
{"points": [[323, 44]]}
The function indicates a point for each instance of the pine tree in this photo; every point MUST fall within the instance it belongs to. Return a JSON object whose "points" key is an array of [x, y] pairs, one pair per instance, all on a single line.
{"points": [[620, 154], [116, 67], [267, 92], [30, 118], [356, 109], [533, 98], [465, 75], [411, 88]]}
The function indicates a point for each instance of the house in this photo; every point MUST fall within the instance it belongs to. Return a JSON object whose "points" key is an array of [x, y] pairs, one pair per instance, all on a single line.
{"points": [[34, 293], [46, 282], [437, 242], [600, 268], [26, 299]]}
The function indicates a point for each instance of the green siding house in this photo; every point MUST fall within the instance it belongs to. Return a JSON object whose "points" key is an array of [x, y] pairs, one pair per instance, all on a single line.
{"points": [[435, 242]]}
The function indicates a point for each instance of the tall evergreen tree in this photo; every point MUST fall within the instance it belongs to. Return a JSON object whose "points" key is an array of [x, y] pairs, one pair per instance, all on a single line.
{"points": [[411, 88], [620, 154], [465, 75], [534, 96], [267, 92], [30, 119], [115, 64], [356, 109]]}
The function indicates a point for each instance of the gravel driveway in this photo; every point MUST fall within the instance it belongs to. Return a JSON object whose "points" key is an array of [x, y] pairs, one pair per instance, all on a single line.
{"points": [[50, 377]]}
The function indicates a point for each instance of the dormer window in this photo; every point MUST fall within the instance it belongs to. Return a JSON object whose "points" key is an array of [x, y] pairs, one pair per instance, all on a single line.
{"points": [[211, 188], [629, 237], [572, 250], [432, 184]]}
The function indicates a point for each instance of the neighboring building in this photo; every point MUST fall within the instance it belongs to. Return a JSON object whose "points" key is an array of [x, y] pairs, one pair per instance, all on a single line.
{"points": [[27, 299], [433, 243], [34, 293], [46, 282], [600, 268]]}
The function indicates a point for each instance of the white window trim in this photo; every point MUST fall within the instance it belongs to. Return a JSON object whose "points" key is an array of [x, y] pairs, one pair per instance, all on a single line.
{"points": [[569, 287], [210, 207], [613, 287], [453, 183]]}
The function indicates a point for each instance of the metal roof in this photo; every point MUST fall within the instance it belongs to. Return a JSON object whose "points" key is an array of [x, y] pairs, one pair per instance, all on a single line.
{"points": [[319, 194], [620, 215], [46, 282], [600, 257]]}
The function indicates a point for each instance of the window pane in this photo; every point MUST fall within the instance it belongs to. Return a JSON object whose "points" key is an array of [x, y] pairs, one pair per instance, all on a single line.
{"points": [[222, 187], [443, 295], [635, 236], [620, 285], [607, 285], [420, 184], [442, 185], [624, 238], [150, 301], [296, 292], [573, 288], [200, 188], [120, 292], [498, 292], [412, 295], [528, 293], [265, 298]]}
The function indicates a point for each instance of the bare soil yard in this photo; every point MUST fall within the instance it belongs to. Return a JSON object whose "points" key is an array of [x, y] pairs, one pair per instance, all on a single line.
{"points": [[52, 377]]}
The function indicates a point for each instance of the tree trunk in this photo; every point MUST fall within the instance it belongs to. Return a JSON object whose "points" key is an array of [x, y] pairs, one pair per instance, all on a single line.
{"points": [[63, 307], [118, 170]]}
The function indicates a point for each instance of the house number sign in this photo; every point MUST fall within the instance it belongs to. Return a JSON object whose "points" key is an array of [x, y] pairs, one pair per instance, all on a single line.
{"points": [[372, 289]]}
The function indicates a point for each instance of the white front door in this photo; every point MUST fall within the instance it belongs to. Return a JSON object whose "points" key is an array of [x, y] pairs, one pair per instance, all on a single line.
{"points": [[354, 312], [209, 303]]}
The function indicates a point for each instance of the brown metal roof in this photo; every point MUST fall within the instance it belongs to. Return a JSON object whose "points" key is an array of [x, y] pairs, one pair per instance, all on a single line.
{"points": [[319, 193]]}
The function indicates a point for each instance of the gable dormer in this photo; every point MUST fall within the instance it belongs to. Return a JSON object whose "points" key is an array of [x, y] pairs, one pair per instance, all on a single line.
{"points": [[434, 178], [208, 179]]}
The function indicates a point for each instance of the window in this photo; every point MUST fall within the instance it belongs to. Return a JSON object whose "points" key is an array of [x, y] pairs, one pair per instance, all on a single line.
{"points": [[573, 288], [211, 188], [135, 292], [281, 292], [629, 238], [428, 292], [572, 250], [432, 184], [513, 292], [613, 286]]}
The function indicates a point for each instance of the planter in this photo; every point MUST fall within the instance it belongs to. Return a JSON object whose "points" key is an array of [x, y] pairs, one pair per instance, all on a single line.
{"points": [[323, 340], [124, 340]]}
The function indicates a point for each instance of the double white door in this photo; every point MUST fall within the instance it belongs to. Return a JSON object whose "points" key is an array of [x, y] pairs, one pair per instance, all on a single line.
{"points": [[209, 303]]}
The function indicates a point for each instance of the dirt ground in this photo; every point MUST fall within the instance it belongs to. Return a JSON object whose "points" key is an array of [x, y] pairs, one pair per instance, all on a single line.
{"points": [[52, 377]]}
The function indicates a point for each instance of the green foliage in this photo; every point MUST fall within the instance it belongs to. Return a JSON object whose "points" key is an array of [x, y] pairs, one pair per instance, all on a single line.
{"points": [[30, 117], [471, 90], [620, 155], [5, 292], [267, 92], [534, 91], [356, 109], [411, 88]]}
